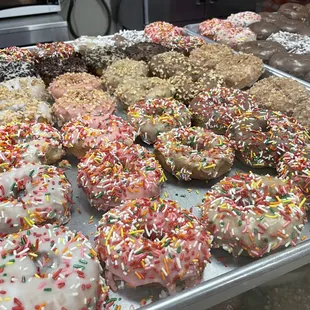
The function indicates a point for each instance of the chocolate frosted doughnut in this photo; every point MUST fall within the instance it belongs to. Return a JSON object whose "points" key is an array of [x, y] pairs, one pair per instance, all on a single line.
{"points": [[297, 65], [262, 49], [269, 17], [294, 11], [264, 29], [290, 25], [307, 77]]}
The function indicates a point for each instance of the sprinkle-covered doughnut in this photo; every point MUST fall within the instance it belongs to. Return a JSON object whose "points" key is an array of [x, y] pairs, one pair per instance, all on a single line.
{"points": [[89, 132], [261, 137], [29, 143], [14, 53], [116, 172], [69, 81], [33, 195], [296, 166], [215, 109], [148, 241], [50, 268], [154, 116], [194, 153], [244, 19], [254, 214], [53, 50], [210, 27], [75, 103]]}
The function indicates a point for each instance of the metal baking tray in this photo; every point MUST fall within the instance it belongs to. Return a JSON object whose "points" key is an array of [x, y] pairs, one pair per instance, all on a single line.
{"points": [[192, 29]]}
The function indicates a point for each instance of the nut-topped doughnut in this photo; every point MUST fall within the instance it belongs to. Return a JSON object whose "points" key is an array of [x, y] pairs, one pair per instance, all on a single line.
{"points": [[254, 214], [91, 131], [261, 137], [194, 153], [296, 166], [154, 116], [77, 102], [147, 241], [116, 172], [29, 143], [33, 195], [244, 19], [69, 81], [210, 27], [216, 108], [50, 268]]}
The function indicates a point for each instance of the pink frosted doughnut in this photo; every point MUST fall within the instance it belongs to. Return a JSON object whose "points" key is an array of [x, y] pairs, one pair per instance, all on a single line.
{"points": [[210, 27], [116, 172], [68, 81], [244, 19], [147, 241], [89, 132], [75, 103], [234, 36]]}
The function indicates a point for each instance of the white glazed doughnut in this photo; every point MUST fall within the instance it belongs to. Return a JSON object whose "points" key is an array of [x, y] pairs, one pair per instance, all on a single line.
{"points": [[244, 19]]}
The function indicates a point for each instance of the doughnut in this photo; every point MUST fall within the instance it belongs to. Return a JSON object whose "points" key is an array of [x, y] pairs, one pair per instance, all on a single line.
{"points": [[132, 90], [254, 215], [145, 51], [290, 25], [30, 86], [155, 242], [244, 19], [90, 131], [262, 49], [116, 72], [116, 172], [307, 77], [261, 137], [294, 11], [33, 195], [14, 53], [296, 167], [216, 108], [32, 143], [296, 65], [77, 102], [234, 36], [168, 64], [240, 71], [50, 268], [269, 17], [153, 116], [264, 29], [209, 55], [210, 27], [73, 81], [194, 153], [126, 38], [24, 110], [53, 50]]}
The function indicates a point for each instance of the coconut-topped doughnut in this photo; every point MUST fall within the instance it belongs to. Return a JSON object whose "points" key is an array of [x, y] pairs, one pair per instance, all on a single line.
{"points": [[69, 81], [234, 36], [115, 73], [116, 172], [296, 167], [91, 131], [210, 27], [77, 102], [216, 108], [147, 241], [241, 70], [34, 143], [24, 110], [261, 137], [254, 214], [244, 19], [50, 268], [194, 153], [294, 11], [33, 195], [153, 116]]}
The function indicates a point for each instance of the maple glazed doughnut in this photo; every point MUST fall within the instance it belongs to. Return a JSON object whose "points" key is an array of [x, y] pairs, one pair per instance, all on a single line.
{"points": [[154, 116], [261, 137], [35, 143], [255, 214], [194, 153], [90, 132], [50, 268], [154, 242], [116, 172], [33, 195]]}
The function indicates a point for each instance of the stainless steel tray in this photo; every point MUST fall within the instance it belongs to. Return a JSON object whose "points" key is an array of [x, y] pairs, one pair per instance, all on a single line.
{"points": [[192, 29]]}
